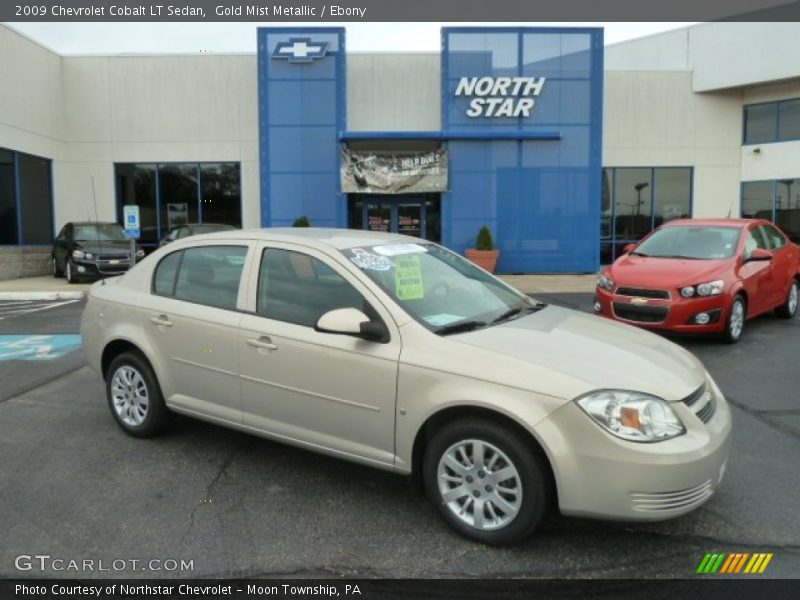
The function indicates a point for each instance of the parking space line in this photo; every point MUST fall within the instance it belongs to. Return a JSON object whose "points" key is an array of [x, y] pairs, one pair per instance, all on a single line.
{"points": [[27, 310]]}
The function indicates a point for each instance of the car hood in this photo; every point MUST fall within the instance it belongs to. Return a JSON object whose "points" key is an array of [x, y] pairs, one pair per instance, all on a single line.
{"points": [[104, 247], [600, 352], [632, 270]]}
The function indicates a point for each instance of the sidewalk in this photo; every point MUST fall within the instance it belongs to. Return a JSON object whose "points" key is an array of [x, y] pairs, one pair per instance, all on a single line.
{"points": [[41, 288], [51, 288]]}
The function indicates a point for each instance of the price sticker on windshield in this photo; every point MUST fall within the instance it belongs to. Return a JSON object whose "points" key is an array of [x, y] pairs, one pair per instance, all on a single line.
{"points": [[408, 278]]}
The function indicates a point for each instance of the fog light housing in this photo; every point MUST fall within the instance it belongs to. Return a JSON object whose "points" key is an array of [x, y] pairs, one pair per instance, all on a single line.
{"points": [[702, 318], [597, 306], [81, 269]]}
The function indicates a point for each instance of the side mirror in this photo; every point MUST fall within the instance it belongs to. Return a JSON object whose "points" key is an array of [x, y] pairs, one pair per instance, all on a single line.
{"points": [[628, 248], [759, 254], [351, 321]]}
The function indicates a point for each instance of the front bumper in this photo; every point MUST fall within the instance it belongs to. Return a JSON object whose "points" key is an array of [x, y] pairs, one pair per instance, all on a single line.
{"points": [[599, 475], [675, 314], [101, 267]]}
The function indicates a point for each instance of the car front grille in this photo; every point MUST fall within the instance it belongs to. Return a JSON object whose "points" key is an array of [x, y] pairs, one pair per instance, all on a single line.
{"points": [[703, 403], [642, 293], [667, 501], [640, 314], [105, 265]]}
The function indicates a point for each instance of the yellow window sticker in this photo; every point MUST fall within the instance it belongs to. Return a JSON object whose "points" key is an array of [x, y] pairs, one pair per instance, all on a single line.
{"points": [[408, 278]]}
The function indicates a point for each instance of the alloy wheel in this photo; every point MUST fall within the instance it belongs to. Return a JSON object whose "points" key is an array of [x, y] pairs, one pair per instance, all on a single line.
{"points": [[129, 395], [793, 298], [737, 319], [479, 484]]}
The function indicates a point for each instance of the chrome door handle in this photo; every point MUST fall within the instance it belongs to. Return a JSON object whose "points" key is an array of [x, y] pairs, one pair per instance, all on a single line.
{"points": [[264, 342], [161, 320]]}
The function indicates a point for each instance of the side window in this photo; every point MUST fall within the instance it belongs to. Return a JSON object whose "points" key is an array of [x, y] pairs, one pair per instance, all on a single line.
{"points": [[774, 237], [210, 275], [298, 288], [62, 235], [164, 278]]}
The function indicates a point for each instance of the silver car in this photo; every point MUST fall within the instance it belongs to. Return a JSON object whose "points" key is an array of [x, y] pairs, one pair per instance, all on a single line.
{"points": [[397, 353]]}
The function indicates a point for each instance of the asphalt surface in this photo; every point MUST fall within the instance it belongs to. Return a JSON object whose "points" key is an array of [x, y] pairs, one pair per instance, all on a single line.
{"points": [[73, 485]]}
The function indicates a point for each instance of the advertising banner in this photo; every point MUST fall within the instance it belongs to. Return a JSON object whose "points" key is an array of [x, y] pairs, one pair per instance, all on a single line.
{"points": [[381, 173]]}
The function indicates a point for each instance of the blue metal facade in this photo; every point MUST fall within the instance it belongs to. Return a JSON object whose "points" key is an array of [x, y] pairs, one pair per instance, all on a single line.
{"points": [[540, 198], [535, 180], [301, 112]]}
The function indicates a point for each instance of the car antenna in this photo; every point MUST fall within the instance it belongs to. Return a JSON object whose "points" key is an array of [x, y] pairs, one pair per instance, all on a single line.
{"points": [[730, 209], [97, 226]]}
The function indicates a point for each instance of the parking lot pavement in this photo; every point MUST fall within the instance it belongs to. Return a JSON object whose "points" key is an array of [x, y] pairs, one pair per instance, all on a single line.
{"points": [[75, 486]]}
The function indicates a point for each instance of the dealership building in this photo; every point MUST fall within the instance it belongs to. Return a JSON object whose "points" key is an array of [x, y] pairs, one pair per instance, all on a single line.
{"points": [[565, 148]]}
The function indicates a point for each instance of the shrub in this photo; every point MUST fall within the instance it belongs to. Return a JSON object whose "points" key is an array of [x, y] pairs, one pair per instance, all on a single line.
{"points": [[301, 222], [484, 241]]}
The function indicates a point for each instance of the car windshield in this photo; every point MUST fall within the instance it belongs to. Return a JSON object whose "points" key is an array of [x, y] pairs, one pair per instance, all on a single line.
{"points": [[440, 289], [693, 242], [99, 232]]}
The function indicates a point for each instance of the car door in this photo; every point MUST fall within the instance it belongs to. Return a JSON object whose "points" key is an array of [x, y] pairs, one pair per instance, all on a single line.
{"points": [[782, 270], [328, 391], [756, 275], [61, 246], [192, 322]]}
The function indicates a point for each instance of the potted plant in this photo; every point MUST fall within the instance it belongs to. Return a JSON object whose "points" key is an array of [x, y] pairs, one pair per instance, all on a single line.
{"points": [[301, 222], [484, 255]]}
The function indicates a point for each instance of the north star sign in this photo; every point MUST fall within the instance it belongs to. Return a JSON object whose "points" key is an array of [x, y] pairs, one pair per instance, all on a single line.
{"points": [[500, 96], [300, 50]]}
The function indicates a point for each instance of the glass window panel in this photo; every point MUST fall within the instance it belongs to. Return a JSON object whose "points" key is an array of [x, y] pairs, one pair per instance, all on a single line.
{"points": [[297, 288], [789, 122], [136, 184], [221, 200], [35, 199], [760, 123], [177, 187], [210, 275], [355, 212], [787, 207], [757, 200], [433, 218], [673, 194], [164, 279], [774, 237], [8, 199], [606, 254], [632, 203]]}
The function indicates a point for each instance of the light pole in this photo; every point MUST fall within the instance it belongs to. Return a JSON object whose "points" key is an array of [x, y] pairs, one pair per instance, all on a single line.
{"points": [[639, 187]]}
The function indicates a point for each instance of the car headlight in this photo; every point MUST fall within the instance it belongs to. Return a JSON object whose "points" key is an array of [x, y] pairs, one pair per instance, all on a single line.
{"points": [[604, 282], [78, 254], [140, 253], [632, 416], [710, 288], [688, 291]]}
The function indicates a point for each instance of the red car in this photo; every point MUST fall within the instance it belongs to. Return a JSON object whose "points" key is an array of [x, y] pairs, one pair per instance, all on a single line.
{"points": [[702, 276]]}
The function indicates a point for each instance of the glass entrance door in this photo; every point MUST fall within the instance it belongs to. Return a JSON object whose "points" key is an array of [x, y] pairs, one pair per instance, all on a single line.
{"points": [[417, 215]]}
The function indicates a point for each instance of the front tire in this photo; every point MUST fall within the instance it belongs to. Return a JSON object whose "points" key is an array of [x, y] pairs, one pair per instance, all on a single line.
{"points": [[486, 481], [734, 325], [69, 272], [56, 272], [789, 308], [134, 396]]}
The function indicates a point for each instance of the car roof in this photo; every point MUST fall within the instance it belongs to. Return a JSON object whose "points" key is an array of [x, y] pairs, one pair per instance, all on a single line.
{"points": [[92, 223], [312, 236], [727, 222]]}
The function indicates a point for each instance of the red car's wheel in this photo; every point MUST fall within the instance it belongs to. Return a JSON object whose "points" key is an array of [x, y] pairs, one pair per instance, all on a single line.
{"points": [[789, 308], [734, 325]]}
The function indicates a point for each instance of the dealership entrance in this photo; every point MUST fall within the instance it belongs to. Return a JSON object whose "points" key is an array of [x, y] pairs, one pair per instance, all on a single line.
{"points": [[417, 215]]}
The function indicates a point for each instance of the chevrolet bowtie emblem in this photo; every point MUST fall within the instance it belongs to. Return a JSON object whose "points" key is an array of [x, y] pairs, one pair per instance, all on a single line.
{"points": [[639, 301], [301, 50]]}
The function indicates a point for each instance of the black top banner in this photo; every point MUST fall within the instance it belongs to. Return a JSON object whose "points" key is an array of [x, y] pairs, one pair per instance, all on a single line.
{"points": [[341, 11]]}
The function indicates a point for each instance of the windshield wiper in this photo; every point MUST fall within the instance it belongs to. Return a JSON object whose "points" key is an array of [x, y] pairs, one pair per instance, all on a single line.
{"points": [[639, 253], [461, 327], [516, 310]]}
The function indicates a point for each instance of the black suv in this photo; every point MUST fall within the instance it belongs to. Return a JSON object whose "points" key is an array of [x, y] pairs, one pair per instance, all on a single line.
{"points": [[90, 250]]}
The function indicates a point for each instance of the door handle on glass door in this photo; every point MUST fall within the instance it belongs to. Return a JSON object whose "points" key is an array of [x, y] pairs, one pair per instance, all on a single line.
{"points": [[264, 342]]}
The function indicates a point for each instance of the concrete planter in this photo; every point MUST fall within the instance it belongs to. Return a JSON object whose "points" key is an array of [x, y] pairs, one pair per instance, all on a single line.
{"points": [[485, 259]]}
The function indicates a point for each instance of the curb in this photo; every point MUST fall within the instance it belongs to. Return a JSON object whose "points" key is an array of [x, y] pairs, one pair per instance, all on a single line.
{"points": [[41, 295]]}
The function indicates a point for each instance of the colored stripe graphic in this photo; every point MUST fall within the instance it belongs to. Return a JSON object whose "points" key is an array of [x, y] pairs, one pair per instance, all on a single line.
{"points": [[721, 562]]}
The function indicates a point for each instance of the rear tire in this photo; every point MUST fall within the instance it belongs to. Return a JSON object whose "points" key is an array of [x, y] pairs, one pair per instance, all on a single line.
{"points": [[486, 481], [134, 396], [734, 324], [69, 272], [789, 308]]}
